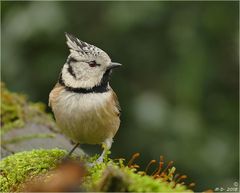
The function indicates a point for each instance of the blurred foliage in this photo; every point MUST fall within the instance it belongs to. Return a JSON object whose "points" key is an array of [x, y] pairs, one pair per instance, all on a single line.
{"points": [[178, 87], [11, 110], [16, 111]]}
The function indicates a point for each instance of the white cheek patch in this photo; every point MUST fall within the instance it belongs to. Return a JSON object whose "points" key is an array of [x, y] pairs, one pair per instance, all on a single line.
{"points": [[80, 69], [85, 77]]}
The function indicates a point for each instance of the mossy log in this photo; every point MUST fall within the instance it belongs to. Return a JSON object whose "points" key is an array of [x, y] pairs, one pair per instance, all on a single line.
{"points": [[18, 170]]}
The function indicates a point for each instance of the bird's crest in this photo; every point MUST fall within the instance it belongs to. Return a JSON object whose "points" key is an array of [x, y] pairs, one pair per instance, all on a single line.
{"points": [[80, 46]]}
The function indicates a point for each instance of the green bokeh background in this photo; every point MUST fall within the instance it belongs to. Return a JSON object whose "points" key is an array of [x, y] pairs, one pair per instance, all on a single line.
{"points": [[178, 87]]}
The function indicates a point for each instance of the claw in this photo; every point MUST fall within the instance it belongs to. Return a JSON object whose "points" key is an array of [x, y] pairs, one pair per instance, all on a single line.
{"points": [[100, 159]]}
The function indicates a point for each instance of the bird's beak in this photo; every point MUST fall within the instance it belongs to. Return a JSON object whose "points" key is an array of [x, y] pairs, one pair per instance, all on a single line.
{"points": [[114, 65]]}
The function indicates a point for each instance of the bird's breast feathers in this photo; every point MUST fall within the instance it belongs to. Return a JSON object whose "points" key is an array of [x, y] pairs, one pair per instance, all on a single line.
{"points": [[86, 118]]}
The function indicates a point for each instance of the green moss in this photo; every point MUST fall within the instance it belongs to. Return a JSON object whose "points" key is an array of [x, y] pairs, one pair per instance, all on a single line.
{"points": [[134, 180], [12, 114], [20, 167], [16, 111], [148, 184], [17, 168], [94, 173]]}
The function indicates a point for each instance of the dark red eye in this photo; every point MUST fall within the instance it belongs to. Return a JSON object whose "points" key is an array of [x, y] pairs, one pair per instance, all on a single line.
{"points": [[93, 64]]}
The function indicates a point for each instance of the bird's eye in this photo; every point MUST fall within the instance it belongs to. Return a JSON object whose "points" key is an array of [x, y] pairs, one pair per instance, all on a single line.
{"points": [[93, 64]]}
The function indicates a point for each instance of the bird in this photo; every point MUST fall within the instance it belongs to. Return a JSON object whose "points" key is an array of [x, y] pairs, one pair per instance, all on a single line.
{"points": [[85, 107]]}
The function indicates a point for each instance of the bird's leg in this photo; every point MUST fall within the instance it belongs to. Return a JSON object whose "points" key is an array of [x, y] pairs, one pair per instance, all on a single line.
{"points": [[70, 152], [106, 146]]}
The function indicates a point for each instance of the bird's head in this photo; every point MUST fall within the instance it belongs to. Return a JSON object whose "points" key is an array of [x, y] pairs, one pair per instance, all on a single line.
{"points": [[87, 66]]}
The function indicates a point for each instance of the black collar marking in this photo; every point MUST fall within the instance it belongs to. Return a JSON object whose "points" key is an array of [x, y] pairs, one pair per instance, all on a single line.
{"points": [[103, 87]]}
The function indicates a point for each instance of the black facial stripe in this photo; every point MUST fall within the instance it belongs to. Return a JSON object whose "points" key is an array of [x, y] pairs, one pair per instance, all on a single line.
{"points": [[106, 77], [103, 87], [70, 70], [71, 59], [60, 80]]}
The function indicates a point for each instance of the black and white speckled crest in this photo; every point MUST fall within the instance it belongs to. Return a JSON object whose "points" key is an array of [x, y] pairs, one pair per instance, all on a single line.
{"points": [[80, 46]]}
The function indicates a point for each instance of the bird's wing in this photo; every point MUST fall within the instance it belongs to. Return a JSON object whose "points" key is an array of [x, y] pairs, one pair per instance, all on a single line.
{"points": [[116, 103], [54, 94]]}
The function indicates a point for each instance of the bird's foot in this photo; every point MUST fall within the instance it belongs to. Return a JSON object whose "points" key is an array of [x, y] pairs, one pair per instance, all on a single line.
{"points": [[98, 161]]}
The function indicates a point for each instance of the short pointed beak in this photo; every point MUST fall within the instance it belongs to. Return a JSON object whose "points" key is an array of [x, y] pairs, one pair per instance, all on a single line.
{"points": [[114, 65]]}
